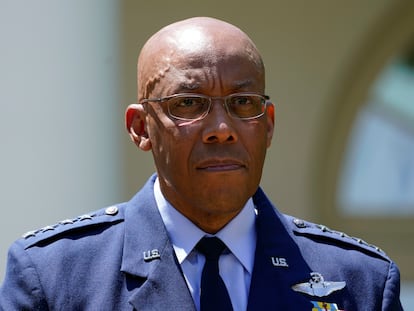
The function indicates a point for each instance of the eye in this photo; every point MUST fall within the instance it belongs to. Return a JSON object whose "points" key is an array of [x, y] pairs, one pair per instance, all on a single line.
{"points": [[241, 101], [246, 106], [244, 103], [188, 107], [187, 102]]}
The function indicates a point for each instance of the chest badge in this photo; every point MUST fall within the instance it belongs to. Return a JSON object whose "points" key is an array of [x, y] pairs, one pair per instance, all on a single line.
{"points": [[317, 286], [324, 306]]}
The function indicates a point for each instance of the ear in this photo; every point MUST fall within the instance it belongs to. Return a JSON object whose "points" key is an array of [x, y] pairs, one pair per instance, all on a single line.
{"points": [[135, 123], [270, 113]]}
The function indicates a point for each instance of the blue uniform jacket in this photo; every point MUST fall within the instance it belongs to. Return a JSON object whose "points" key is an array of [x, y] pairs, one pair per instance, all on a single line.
{"points": [[120, 258]]}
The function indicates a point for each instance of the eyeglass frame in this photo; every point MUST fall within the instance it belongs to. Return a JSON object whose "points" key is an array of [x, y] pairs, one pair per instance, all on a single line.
{"points": [[266, 102]]}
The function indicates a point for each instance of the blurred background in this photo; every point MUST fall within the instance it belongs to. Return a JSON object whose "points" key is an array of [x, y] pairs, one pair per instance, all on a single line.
{"points": [[341, 74]]}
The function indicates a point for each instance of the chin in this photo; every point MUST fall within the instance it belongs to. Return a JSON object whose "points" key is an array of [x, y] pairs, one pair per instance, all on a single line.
{"points": [[223, 199]]}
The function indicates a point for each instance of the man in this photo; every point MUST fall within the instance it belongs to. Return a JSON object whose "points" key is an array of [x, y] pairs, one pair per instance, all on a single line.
{"points": [[202, 112]]}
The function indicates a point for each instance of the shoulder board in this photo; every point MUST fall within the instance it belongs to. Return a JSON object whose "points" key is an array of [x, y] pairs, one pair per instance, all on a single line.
{"points": [[315, 231], [111, 214]]}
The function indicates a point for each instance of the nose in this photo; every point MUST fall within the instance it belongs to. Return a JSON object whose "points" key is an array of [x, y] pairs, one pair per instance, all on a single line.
{"points": [[219, 125]]}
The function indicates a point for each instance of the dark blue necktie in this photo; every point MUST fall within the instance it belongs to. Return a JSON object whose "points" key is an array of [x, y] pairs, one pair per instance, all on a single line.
{"points": [[214, 295]]}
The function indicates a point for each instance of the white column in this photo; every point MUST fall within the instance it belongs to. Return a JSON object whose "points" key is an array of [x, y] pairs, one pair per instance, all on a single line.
{"points": [[60, 120]]}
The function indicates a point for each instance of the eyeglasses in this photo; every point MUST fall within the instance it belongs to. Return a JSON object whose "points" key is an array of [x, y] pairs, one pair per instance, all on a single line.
{"points": [[189, 106]]}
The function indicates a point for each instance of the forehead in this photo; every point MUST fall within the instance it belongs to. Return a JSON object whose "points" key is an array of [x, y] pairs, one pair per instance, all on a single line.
{"points": [[196, 72], [190, 69]]}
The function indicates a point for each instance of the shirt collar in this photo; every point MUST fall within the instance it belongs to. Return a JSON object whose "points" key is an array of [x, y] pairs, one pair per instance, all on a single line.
{"points": [[239, 234]]}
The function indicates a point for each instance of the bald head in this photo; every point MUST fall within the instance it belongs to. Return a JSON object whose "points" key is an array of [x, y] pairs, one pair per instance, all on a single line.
{"points": [[201, 41]]}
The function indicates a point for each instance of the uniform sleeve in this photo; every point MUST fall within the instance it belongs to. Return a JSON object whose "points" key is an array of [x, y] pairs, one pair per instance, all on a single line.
{"points": [[391, 297], [21, 289]]}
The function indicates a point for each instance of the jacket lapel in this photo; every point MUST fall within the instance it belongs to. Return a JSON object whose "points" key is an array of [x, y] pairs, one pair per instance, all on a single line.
{"points": [[153, 275], [279, 263]]}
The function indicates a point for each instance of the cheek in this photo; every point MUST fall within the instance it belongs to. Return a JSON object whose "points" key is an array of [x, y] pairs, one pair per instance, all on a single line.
{"points": [[256, 144], [171, 146]]}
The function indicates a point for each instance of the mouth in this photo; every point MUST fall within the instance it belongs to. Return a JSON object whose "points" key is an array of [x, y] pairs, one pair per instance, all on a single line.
{"points": [[220, 165]]}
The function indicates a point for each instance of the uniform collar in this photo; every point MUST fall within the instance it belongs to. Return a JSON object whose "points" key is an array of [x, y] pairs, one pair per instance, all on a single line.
{"points": [[148, 260], [239, 234]]}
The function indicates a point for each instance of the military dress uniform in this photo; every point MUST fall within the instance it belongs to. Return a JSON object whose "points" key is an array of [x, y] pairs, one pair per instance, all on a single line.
{"points": [[120, 258]]}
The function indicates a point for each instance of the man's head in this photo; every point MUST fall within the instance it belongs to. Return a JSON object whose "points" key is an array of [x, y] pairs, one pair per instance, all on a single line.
{"points": [[210, 166]]}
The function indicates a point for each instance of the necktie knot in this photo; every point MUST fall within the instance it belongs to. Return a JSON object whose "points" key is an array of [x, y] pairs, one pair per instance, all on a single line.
{"points": [[211, 248]]}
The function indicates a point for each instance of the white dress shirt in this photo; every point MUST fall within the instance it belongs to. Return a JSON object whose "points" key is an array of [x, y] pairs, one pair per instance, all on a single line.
{"points": [[235, 266]]}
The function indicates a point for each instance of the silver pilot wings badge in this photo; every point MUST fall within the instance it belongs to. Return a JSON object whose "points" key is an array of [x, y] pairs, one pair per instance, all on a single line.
{"points": [[317, 286]]}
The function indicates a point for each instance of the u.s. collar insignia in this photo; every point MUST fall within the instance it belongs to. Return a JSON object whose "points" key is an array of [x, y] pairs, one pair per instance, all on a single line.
{"points": [[151, 255], [317, 286]]}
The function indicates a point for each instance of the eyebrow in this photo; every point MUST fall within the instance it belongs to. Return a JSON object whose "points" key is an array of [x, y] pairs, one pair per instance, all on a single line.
{"points": [[242, 83], [186, 86]]}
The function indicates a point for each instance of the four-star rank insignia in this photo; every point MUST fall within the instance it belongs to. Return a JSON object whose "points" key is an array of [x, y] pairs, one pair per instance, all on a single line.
{"points": [[317, 286]]}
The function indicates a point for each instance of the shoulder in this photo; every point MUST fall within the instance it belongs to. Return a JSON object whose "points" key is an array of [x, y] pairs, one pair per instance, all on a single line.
{"points": [[82, 225], [317, 240], [337, 255], [325, 237]]}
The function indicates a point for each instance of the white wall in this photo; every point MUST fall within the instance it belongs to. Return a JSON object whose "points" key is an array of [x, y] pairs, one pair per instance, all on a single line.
{"points": [[59, 118]]}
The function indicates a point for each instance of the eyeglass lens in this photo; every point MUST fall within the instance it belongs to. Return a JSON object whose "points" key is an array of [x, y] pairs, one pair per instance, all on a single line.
{"points": [[194, 107]]}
